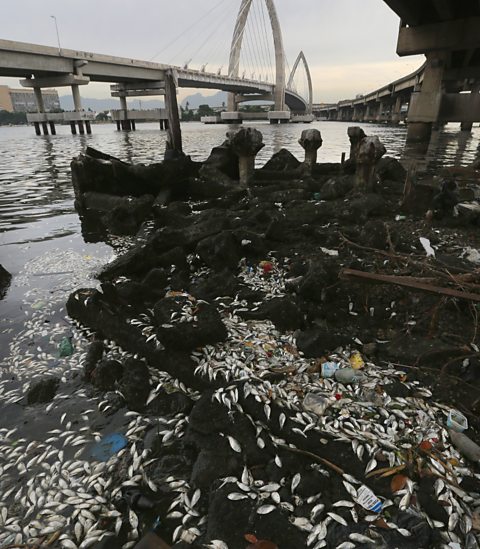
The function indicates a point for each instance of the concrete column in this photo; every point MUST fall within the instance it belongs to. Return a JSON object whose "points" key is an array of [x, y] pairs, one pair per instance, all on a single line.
{"points": [[118, 125], [369, 152], [77, 100], [355, 135], [73, 127], [425, 104], [245, 143], [37, 128], [161, 124], [133, 124], [52, 128], [81, 129], [381, 107], [368, 112], [397, 109], [39, 99], [466, 126], [45, 128], [124, 109], [88, 127], [311, 141]]}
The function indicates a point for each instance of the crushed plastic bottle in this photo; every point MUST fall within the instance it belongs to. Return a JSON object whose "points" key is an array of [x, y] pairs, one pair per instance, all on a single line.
{"points": [[316, 403], [348, 375], [465, 446]]}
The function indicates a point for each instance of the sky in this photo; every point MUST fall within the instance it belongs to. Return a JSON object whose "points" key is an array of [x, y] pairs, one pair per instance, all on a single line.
{"points": [[349, 44]]}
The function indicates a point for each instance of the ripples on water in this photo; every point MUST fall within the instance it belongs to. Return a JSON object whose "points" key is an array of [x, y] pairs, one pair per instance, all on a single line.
{"points": [[35, 171], [42, 246]]}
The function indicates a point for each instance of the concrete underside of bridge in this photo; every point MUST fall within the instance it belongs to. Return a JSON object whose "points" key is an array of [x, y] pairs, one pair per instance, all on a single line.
{"points": [[448, 33]]}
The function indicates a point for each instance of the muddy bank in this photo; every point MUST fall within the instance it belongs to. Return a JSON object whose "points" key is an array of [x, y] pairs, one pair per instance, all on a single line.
{"points": [[241, 285]]}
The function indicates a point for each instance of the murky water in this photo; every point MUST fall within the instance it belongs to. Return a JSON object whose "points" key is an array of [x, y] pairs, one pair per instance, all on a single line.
{"points": [[36, 196], [41, 245]]}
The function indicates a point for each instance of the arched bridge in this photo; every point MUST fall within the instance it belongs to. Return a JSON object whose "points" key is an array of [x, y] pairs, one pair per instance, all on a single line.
{"points": [[46, 67]]}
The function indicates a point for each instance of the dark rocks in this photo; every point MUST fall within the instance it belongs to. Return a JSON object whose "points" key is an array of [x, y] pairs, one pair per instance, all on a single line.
{"points": [[94, 354], [106, 374], [315, 342], [135, 383], [215, 285], [5, 279], [336, 188], [206, 328], [282, 311], [43, 391], [282, 161], [213, 464], [156, 279], [358, 210], [220, 250], [389, 168]]}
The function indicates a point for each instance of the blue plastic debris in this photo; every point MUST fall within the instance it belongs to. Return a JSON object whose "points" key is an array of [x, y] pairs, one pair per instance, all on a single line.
{"points": [[108, 446]]}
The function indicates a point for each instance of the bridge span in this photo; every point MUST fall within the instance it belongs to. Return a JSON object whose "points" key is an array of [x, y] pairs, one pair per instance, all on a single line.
{"points": [[47, 67]]}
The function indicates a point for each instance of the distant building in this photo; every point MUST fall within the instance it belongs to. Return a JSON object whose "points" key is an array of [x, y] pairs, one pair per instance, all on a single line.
{"points": [[23, 100]]}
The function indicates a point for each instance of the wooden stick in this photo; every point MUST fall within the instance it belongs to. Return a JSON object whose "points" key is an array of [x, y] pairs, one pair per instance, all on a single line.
{"points": [[408, 283], [306, 453]]}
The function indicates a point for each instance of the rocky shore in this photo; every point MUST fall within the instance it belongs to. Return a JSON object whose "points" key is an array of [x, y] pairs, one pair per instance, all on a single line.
{"points": [[242, 283]]}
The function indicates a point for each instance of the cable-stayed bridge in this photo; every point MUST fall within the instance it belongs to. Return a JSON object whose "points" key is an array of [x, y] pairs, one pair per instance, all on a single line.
{"points": [[255, 72]]}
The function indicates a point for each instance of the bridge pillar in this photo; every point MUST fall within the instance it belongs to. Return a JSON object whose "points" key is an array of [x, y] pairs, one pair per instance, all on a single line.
{"points": [[396, 111], [380, 109], [425, 103], [125, 123], [77, 103], [40, 109]]}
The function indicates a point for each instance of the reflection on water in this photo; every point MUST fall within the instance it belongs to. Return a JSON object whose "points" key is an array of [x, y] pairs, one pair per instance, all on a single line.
{"points": [[35, 171]]}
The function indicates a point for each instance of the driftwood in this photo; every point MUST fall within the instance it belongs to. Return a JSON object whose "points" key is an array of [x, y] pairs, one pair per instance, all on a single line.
{"points": [[414, 283]]}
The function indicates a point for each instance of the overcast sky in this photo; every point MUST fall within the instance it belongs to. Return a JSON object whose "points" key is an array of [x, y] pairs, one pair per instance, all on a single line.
{"points": [[349, 44]]}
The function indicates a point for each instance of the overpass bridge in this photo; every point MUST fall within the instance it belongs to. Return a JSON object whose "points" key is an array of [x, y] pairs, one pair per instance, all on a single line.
{"points": [[45, 67], [444, 89], [447, 32]]}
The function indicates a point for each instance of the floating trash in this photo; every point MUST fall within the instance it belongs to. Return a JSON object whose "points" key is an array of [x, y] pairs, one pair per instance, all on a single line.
{"points": [[108, 446], [65, 347]]}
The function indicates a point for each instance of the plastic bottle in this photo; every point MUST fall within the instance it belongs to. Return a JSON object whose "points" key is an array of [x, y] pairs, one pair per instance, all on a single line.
{"points": [[465, 446], [348, 375], [316, 403]]}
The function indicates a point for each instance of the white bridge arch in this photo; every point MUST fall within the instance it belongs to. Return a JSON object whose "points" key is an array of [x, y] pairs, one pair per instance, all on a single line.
{"points": [[283, 95]]}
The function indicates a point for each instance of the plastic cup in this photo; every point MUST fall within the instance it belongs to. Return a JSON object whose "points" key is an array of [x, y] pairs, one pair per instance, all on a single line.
{"points": [[457, 421]]}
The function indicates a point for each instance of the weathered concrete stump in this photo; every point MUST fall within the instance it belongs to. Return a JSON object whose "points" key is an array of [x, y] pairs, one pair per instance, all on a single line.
{"points": [[311, 141], [355, 134], [245, 143], [369, 152]]}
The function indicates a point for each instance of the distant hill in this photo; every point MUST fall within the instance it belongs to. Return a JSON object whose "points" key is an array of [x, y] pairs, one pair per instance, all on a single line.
{"points": [[98, 105], [197, 99]]}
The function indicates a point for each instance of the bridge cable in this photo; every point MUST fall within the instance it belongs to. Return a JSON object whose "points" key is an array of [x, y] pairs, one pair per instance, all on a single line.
{"points": [[254, 45], [264, 48], [195, 23], [200, 34], [219, 45], [262, 33], [216, 29], [268, 45]]}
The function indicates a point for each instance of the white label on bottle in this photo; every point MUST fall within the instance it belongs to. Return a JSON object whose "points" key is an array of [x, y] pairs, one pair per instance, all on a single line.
{"points": [[368, 500]]}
